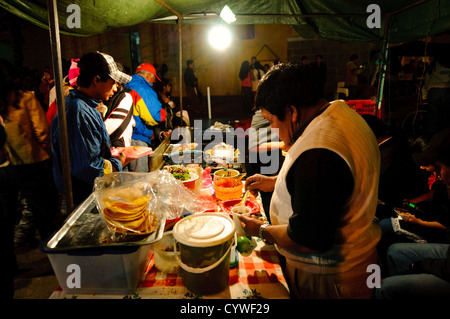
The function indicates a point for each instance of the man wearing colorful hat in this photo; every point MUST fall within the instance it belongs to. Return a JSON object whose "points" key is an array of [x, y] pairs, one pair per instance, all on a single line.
{"points": [[145, 117]]}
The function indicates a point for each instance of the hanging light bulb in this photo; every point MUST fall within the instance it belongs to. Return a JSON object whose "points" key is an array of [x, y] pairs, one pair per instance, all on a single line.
{"points": [[227, 15]]}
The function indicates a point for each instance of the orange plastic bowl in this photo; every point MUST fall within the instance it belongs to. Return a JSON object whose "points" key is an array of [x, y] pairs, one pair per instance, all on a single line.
{"points": [[224, 189]]}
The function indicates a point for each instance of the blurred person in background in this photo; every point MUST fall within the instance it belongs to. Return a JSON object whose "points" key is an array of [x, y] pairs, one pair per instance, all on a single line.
{"points": [[246, 87], [26, 163], [422, 270], [436, 93]]}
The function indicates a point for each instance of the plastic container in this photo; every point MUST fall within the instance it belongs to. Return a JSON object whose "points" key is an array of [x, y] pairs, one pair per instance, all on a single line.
{"points": [[197, 169], [239, 210], [224, 189], [164, 254], [86, 261], [363, 106], [190, 183], [205, 242], [110, 271], [229, 173]]}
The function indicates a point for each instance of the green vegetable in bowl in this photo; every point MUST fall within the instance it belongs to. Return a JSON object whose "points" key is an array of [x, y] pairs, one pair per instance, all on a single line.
{"points": [[179, 173]]}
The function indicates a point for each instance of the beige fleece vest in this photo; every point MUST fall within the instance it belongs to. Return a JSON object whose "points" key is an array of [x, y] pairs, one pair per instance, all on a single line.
{"points": [[344, 132]]}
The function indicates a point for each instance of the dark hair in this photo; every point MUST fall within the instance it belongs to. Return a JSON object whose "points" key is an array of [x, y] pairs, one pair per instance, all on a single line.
{"points": [[189, 62], [9, 82], [319, 56], [287, 84], [304, 58], [158, 86], [245, 68], [91, 65], [353, 57]]}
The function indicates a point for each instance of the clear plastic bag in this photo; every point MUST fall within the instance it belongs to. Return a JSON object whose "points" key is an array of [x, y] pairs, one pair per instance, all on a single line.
{"points": [[135, 204]]}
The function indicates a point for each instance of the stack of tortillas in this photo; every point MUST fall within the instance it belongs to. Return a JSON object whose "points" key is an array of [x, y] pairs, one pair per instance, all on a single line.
{"points": [[126, 211]]}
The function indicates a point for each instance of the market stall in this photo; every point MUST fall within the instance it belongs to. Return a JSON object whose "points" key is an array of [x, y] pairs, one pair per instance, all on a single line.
{"points": [[114, 265]]}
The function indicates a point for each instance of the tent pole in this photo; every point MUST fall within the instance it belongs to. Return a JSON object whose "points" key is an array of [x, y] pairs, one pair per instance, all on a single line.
{"points": [[57, 68], [180, 63], [381, 81], [180, 51]]}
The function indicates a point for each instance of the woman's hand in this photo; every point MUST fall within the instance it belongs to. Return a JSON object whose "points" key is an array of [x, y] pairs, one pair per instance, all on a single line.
{"points": [[261, 183]]}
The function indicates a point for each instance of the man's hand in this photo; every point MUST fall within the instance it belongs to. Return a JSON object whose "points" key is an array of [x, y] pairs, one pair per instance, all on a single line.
{"points": [[250, 224], [261, 183]]}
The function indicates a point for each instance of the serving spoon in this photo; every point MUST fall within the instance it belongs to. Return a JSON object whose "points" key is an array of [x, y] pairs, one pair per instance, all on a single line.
{"points": [[239, 179]]}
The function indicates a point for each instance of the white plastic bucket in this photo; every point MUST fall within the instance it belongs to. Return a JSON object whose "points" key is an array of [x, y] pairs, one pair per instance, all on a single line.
{"points": [[205, 242]]}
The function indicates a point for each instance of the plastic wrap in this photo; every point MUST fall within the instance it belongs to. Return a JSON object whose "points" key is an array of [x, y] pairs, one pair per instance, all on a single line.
{"points": [[134, 204]]}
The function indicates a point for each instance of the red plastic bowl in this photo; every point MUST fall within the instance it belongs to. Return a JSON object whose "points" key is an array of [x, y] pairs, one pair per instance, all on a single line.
{"points": [[190, 183], [227, 205]]}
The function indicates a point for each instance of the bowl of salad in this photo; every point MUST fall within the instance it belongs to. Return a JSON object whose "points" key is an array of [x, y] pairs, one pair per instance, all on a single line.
{"points": [[188, 178]]}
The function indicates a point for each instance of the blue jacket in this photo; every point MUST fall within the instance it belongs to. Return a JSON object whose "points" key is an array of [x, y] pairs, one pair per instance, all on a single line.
{"points": [[147, 116], [89, 143]]}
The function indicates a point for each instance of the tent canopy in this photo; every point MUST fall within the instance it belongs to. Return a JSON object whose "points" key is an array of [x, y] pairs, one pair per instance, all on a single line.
{"points": [[330, 19]]}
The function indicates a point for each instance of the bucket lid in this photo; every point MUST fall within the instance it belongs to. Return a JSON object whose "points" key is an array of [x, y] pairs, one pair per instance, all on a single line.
{"points": [[204, 229]]}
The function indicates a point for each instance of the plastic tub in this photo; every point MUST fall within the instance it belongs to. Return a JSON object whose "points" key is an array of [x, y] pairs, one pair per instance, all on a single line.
{"points": [[229, 173], [164, 254], [114, 270], [224, 189], [205, 241], [86, 261]]}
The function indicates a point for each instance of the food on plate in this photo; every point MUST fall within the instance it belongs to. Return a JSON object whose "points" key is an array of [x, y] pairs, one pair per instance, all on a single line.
{"points": [[126, 211], [223, 151], [186, 147], [131, 151], [179, 172], [404, 214], [227, 205]]}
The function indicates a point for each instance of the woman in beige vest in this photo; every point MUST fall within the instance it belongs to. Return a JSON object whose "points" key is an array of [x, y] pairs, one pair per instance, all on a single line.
{"points": [[325, 194]]}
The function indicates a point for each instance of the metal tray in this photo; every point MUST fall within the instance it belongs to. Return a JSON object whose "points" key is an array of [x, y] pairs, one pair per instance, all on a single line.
{"points": [[85, 228]]}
